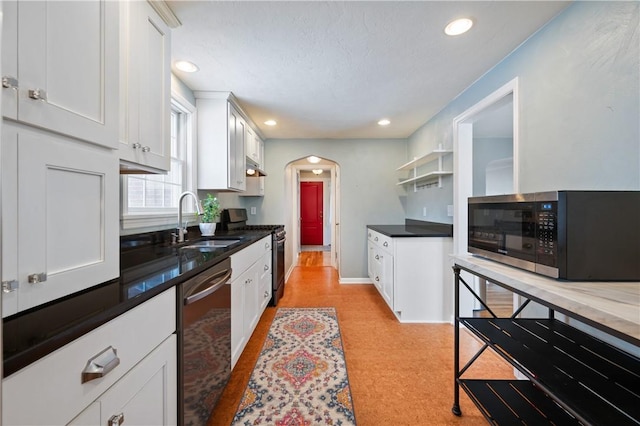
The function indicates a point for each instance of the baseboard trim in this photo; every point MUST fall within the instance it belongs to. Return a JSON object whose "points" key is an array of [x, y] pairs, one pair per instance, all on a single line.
{"points": [[355, 281]]}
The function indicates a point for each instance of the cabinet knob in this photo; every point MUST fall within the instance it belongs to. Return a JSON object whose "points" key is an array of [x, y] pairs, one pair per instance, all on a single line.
{"points": [[266, 267], [116, 420], [386, 244], [9, 82], [9, 286], [377, 278], [38, 94], [267, 246], [136, 146], [266, 294], [146, 149], [37, 278], [375, 239], [377, 257]]}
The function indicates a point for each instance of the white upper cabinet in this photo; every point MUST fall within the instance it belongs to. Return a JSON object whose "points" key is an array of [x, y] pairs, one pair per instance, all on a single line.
{"points": [[60, 67], [59, 217], [145, 88], [221, 143]]}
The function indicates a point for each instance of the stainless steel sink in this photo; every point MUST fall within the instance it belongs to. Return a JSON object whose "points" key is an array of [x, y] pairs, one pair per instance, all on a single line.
{"points": [[211, 244]]}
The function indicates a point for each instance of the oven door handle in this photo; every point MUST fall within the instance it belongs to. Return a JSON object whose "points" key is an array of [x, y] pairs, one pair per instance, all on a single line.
{"points": [[220, 278]]}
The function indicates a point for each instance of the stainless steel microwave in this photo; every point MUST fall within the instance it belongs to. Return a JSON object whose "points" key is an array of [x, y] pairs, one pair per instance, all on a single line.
{"points": [[570, 235]]}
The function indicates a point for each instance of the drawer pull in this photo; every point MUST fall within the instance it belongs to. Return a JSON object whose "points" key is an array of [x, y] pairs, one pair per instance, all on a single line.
{"points": [[9, 82], [116, 420], [386, 244], [38, 94], [37, 278], [100, 365], [9, 286]]}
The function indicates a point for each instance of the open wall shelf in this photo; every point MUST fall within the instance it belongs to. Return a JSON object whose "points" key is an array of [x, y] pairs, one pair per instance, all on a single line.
{"points": [[426, 179]]}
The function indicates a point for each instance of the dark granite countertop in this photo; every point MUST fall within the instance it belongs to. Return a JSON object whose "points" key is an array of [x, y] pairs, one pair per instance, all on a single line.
{"points": [[415, 228], [149, 265]]}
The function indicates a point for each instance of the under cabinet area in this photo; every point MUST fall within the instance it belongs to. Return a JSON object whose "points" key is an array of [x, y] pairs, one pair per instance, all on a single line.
{"points": [[574, 373], [59, 216], [124, 372], [250, 292], [145, 89], [60, 67], [410, 275]]}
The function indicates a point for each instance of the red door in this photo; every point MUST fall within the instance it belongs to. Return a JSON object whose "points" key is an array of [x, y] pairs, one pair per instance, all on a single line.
{"points": [[311, 213]]}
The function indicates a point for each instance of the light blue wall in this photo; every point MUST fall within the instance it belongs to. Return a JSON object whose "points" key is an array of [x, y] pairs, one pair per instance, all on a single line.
{"points": [[486, 150], [579, 106]]}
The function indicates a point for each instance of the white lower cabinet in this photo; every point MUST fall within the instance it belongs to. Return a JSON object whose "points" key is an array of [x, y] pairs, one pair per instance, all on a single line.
{"points": [[146, 395], [247, 296], [412, 275], [266, 282], [60, 216], [142, 385]]}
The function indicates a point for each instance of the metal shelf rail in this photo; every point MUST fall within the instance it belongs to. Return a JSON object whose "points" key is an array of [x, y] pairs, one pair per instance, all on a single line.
{"points": [[573, 377]]}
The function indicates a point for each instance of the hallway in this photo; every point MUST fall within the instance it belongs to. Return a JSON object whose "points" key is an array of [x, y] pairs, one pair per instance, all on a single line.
{"points": [[400, 374]]}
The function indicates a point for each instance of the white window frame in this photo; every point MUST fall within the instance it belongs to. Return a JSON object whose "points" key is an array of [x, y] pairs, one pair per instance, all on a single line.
{"points": [[167, 218]]}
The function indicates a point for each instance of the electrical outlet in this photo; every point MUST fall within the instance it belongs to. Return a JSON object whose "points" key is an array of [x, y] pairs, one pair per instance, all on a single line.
{"points": [[253, 210], [424, 211], [450, 210]]}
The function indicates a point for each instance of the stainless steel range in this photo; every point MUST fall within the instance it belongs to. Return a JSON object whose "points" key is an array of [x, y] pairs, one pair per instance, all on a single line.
{"points": [[236, 220]]}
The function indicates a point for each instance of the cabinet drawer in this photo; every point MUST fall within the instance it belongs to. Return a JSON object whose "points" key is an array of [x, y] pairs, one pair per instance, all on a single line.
{"points": [[50, 391], [242, 260], [380, 240]]}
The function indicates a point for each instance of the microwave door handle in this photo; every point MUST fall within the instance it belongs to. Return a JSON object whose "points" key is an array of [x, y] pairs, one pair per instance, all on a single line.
{"points": [[217, 284]]}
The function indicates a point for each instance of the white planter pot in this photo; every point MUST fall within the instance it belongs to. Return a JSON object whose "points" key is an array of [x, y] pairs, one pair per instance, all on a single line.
{"points": [[207, 229]]}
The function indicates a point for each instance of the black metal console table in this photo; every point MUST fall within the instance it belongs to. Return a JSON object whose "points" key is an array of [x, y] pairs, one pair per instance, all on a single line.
{"points": [[573, 377]]}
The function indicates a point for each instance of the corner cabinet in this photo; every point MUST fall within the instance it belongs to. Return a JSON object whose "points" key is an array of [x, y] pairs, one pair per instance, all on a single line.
{"points": [[572, 377], [221, 143], [60, 67], [410, 275], [145, 89], [431, 177]]}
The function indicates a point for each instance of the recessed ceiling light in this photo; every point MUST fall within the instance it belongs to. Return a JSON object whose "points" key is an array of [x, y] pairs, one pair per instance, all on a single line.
{"points": [[270, 122], [384, 122], [313, 159], [186, 66], [459, 26]]}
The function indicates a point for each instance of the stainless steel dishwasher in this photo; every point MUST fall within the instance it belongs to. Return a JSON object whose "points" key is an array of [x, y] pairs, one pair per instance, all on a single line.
{"points": [[204, 342]]}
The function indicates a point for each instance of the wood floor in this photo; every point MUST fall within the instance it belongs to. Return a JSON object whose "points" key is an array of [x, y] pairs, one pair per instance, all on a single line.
{"points": [[400, 374]]}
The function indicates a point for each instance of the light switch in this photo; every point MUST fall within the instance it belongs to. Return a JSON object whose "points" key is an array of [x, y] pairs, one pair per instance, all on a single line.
{"points": [[253, 210], [450, 210], [424, 211]]}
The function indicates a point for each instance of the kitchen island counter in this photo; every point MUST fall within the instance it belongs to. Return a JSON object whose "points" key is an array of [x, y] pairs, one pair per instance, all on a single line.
{"points": [[415, 228]]}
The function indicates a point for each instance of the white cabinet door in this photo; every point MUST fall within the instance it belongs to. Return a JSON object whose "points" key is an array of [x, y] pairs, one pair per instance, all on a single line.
{"points": [[10, 84], [146, 395], [145, 87], [67, 204], [67, 67], [237, 159], [386, 273], [238, 338], [265, 287], [251, 146], [251, 302], [9, 171]]}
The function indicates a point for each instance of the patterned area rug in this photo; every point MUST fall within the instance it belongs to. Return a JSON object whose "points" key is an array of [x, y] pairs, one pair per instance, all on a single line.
{"points": [[300, 377]]}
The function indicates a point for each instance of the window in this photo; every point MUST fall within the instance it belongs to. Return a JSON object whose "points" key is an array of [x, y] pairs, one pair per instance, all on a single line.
{"points": [[152, 199]]}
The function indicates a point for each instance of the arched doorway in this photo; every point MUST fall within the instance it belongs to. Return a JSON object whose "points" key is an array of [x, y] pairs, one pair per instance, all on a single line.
{"points": [[301, 170]]}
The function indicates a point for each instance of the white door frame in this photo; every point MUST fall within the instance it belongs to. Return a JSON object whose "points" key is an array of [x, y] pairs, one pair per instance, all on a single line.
{"points": [[463, 177], [294, 219], [463, 159]]}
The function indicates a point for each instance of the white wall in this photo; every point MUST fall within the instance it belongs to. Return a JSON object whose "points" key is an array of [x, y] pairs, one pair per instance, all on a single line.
{"points": [[579, 81]]}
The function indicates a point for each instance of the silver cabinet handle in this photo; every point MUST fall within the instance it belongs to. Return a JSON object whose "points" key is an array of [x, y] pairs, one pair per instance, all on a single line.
{"points": [[37, 278], [9, 82], [375, 239], [146, 149], [386, 244], [266, 267], [266, 294], [377, 278], [116, 420], [377, 257], [38, 94], [136, 146], [100, 365], [9, 286], [266, 246]]}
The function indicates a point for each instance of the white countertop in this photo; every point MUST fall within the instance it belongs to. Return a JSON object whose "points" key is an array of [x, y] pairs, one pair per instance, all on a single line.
{"points": [[614, 305]]}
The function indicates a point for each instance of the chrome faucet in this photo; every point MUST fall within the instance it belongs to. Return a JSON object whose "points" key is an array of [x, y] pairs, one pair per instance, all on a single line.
{"points": [[180, 231]]}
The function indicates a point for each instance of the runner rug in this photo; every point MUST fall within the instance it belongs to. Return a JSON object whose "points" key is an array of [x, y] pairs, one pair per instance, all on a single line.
{"points": [[300, 377]]}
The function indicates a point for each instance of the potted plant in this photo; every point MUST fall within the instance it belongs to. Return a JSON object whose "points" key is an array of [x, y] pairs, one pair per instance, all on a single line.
{"points": [[211, 214]]}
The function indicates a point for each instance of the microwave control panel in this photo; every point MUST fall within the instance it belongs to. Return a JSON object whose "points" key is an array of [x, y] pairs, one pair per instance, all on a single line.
{"points": [[547, 233]]}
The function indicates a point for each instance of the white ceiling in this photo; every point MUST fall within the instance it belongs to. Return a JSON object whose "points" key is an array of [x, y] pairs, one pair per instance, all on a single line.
{"points": [[333, 69]]}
